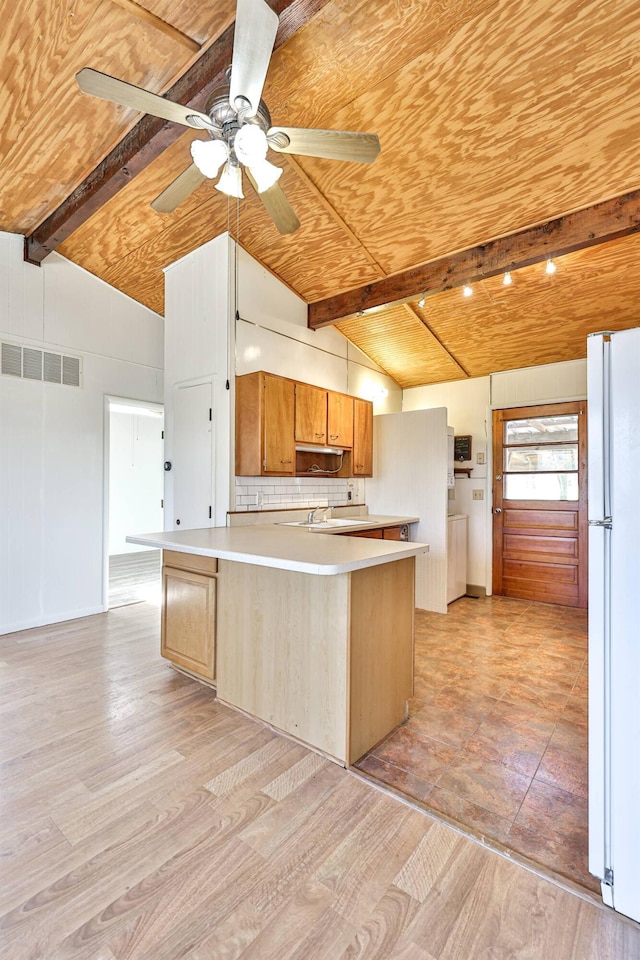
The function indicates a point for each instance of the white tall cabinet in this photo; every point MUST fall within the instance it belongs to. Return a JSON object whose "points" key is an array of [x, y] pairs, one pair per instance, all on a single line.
{"points": [[456, 557]]}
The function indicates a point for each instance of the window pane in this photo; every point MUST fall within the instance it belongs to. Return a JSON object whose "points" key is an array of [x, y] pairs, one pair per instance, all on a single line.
{"points": [[542, 429], [532, 459], [541, 486]]}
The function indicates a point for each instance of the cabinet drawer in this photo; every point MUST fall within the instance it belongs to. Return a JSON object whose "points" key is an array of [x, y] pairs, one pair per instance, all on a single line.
{"points": [[190, 561], [392, 533], [371, 534]]}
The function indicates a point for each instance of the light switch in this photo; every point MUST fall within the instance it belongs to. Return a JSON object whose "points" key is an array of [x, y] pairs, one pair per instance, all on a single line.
{"points": [[480, 458]]}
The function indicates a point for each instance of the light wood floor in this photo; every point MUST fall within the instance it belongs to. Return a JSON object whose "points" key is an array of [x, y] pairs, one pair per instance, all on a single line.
{"points": [[134, 577], [141, 820]]}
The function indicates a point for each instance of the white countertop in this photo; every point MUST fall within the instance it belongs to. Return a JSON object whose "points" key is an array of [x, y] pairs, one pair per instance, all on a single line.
{"points": [[368, 522], [288, 548]]}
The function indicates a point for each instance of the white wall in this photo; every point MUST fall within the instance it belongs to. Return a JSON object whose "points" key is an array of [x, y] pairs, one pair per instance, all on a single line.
{"points": [[136, 478], [52, 436], [469, 404], [203, 339]]}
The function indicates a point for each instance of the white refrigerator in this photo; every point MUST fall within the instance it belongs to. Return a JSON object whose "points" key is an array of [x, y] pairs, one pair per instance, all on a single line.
{"points": [[613, 362], [410, 476]]}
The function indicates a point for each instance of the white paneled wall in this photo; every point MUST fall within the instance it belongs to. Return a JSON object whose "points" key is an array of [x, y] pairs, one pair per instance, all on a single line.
{"points": [[549, 383], [52, 437]]}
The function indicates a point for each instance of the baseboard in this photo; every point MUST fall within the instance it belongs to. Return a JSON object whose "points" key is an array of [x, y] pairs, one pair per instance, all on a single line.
{"points": [[52, 618], [475, 591]]}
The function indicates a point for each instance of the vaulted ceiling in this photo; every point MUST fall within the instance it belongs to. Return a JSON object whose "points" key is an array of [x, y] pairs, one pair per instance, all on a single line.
{"points": [[493, 115]]}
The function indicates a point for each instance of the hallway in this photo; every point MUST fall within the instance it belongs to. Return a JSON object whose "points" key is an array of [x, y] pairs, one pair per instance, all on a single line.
{"points": [[497, 735]]}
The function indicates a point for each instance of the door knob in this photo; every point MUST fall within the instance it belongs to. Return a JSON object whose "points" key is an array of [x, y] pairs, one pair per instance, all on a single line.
{"points": [[498, 510]]}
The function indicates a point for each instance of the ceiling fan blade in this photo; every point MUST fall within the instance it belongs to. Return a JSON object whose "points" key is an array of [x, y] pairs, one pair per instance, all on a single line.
{"points": [[127, 95], [330, 144], [277, 206], [184, 185], [254, 37]]}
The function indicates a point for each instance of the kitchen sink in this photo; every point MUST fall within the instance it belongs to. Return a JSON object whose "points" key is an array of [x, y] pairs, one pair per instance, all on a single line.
{"points": [[322, 524]]}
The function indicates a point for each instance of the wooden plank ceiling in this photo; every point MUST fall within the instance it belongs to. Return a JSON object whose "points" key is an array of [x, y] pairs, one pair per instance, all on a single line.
{"points": [[493, 116]]}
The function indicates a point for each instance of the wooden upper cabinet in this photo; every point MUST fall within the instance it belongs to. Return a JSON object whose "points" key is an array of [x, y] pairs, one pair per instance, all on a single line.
{"points": [[264, 426], [362, 456], [273, 414], [339, 420], [279, 446], [311, 414]]}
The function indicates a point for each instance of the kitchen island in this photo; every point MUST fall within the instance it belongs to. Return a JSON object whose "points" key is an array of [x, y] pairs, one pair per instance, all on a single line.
{"points": [[312, 635]]}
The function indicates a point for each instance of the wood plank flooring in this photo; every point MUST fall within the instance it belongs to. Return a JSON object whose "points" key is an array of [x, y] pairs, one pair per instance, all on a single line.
{"points": [[497, 735], [134, 577], [142, 820]]}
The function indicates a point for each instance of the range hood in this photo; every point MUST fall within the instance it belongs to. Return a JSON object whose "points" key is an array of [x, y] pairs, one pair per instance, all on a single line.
{"points": [[302, 449]]}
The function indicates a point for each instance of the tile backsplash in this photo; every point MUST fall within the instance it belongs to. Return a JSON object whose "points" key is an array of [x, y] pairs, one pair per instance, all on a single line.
{"points": [[267, 493]]}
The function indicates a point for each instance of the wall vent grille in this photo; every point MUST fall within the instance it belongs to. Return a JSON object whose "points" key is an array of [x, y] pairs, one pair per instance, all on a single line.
{"points": [[29, 363]]}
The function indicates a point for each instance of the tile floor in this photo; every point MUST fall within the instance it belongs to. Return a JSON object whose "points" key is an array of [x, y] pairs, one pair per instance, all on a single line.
{"points": [[497, 734]]}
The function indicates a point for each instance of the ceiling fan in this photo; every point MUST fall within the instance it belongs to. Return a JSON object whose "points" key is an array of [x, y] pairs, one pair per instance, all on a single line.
{"points": [[238, 123]]}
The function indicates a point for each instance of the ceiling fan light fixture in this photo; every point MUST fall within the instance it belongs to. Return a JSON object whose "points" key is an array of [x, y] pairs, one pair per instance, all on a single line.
{"points": [[265, 174], [208, 156], [230, 183], [250, 145]]}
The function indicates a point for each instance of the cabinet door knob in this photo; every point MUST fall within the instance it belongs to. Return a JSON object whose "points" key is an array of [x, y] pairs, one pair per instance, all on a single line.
{"points": [[334, 436], [319, 435]]}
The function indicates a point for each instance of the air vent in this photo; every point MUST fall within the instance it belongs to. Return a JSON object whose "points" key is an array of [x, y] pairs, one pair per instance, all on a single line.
{"points": [[11, 363], [71, 371], [31, 364], [52, 367]]}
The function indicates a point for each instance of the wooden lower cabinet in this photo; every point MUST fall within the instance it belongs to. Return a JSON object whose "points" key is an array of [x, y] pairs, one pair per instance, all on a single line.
{"points": [[188, 630], [326, 659]]}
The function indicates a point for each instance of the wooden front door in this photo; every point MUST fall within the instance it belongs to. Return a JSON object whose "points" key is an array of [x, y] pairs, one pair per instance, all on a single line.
{"points": [[540, 503]]}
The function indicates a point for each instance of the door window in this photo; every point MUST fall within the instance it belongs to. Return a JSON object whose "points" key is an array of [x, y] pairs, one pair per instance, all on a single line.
{"points": [[541, 458]]}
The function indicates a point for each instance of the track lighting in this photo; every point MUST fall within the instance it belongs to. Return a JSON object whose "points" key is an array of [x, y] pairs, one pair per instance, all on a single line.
{"points": [[507, 280], [421, 302], [551, 267], [467, 290]]}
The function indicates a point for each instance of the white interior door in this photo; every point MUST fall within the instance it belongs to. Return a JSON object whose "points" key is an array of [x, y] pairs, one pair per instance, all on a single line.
{"points": [[192, 463]]}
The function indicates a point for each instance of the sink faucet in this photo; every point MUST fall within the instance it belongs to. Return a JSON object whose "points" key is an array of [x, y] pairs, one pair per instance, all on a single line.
{"points": [[311, 516]]}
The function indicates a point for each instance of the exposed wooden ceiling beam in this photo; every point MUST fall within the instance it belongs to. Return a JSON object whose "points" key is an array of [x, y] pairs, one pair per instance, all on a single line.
{"points": [[604, 221], [151, 136]]}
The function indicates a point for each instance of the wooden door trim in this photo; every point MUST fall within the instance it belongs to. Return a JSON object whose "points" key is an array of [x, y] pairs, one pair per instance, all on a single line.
{"points": [[580, 506]]}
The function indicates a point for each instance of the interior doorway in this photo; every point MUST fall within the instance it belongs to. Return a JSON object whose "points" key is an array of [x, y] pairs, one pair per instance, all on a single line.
{"points": [[540, 503], [134, 498]]}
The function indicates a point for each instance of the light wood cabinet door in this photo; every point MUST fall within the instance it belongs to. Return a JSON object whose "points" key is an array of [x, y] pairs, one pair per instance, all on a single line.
{"points": [[279, 445], [362, 456], [311, 414], [189, 620], [339, 420]]}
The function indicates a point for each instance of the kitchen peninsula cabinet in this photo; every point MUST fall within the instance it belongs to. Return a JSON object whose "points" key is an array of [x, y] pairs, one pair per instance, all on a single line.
{"points": [[310, 634], [274, 414], [362, 457], [188, 625]]}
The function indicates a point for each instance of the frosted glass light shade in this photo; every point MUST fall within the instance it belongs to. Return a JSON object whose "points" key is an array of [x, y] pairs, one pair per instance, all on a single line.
{"points": [[250, 144], [231, 181], [265, 174], [208, 156]]}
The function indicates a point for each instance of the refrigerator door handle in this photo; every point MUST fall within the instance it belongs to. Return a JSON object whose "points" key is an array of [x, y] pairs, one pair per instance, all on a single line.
{"points": [[605, 522]]}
